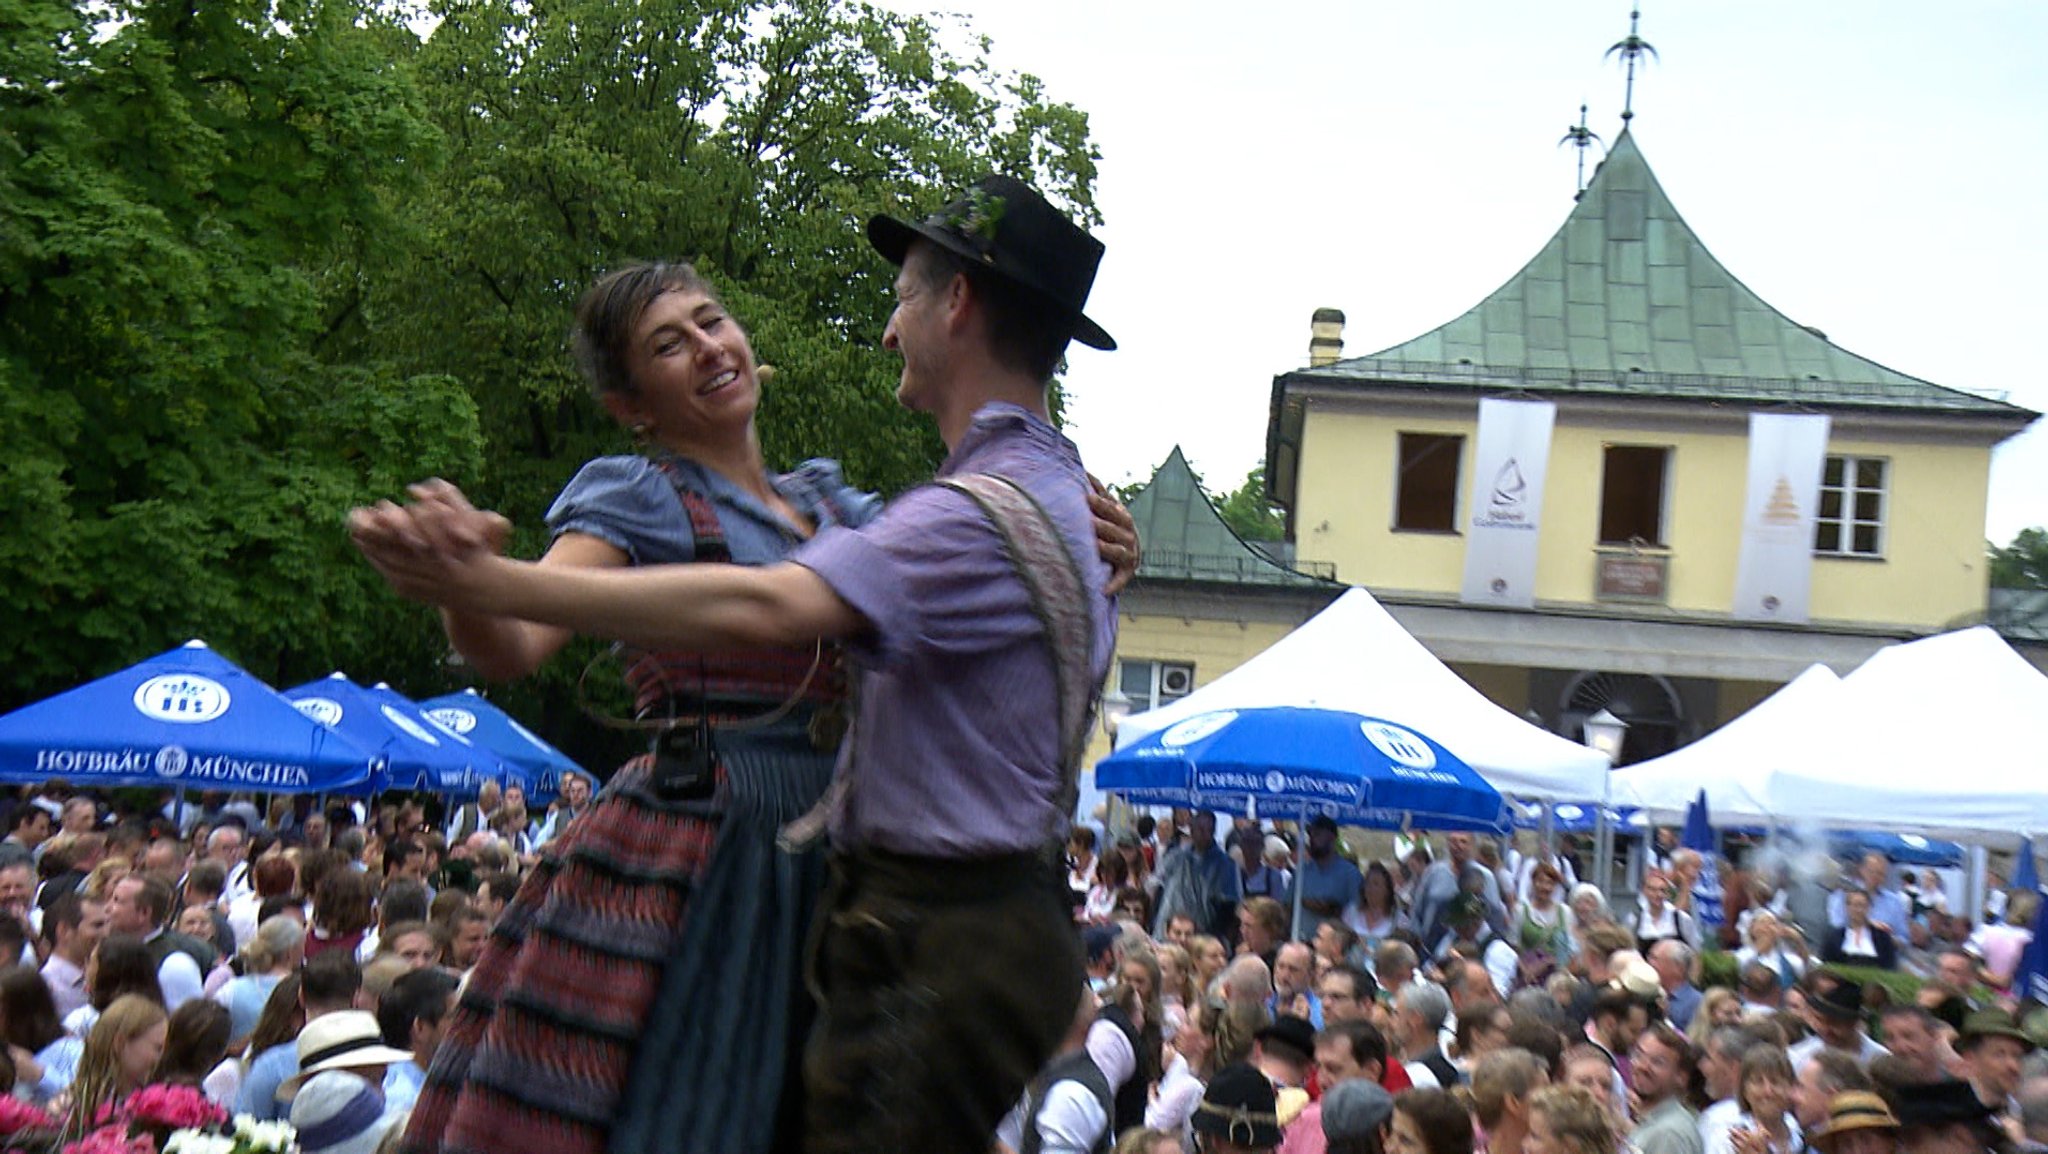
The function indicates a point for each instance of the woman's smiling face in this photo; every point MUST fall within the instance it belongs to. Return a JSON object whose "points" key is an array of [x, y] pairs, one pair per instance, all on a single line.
{"points": [[692, 368]]}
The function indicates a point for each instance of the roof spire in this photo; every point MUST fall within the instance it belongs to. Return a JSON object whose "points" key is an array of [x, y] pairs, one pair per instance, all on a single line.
{"points": [[1632, 49], [1581, 138]]}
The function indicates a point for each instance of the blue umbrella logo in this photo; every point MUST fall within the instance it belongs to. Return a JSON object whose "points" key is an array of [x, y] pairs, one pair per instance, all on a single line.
{"points": [[457, 721], [324, 710], [1195, 729], [1401, 746], [172, 761], [182, 697]]}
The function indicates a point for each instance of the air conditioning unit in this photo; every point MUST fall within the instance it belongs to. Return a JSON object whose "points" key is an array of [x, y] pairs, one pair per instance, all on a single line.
{"points": [[1176, 681]]}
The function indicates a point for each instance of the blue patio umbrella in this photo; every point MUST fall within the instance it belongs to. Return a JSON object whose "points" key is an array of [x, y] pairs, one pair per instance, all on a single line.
{"points": [[2025, 874], [1904, 848], [1360, 770], [1706, 891], [539, 765], [2030, 978], [1569, 817], [1296, 761], [189, 718], [414, 751]]}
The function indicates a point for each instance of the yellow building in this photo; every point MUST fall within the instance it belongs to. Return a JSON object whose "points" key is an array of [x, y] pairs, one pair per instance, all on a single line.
{"points": [[1654, 357]]}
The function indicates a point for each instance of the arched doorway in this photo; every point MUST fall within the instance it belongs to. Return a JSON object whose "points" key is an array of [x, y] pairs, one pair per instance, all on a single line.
{"points": [[1649, 703]]}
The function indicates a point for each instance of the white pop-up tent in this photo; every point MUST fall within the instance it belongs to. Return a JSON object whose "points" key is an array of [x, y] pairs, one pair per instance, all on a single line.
{"points": [[1734, 763], [1945, 736], [1354, 656]]}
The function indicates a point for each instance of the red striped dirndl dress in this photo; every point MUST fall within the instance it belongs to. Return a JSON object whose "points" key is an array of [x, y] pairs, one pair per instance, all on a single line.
{"points": [[543, 1041]]}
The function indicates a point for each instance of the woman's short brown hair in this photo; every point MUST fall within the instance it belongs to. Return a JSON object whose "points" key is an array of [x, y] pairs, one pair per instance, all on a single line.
{"points": [[609, 311]]}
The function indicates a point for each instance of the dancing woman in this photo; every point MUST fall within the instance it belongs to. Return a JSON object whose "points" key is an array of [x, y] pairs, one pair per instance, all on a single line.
{"points": [[642, 991]]}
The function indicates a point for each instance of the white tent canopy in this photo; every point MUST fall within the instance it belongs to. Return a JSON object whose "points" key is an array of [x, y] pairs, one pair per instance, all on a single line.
{"points": [[1734, 763], [1355, 656], [1946, 735]]}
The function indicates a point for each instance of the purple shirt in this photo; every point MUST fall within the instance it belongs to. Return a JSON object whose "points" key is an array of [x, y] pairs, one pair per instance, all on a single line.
{"points": [[956, 746]]}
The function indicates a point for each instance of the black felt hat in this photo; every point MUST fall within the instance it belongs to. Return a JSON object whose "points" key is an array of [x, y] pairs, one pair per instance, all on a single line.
{"points": [[1003, 226], [1842, 1001], [1297, 1034], [1940, 1103], [1239, 1106]]}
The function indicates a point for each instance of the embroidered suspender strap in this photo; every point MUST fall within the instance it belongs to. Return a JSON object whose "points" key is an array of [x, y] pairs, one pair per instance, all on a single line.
{"points": [[1059, 597], [708, 535]]}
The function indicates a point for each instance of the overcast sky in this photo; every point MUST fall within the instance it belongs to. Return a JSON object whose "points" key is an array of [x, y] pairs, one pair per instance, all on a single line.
{"points": [[1873, 168]]}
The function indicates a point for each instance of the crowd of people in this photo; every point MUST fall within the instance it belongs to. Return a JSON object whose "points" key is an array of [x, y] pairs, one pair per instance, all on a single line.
{"points": [[283, 960], [1267, 991]]}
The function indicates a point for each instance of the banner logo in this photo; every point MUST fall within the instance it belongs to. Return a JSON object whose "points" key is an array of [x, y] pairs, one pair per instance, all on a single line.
{"points": [[1509, 491], [1774, 570], [184, 698], [1510, 457]]}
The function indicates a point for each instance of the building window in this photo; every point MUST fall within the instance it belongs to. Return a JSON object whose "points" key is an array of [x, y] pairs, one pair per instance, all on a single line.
{"points": [[1632, 494], [1151, 684], [1426, 491], [1851, 520]]}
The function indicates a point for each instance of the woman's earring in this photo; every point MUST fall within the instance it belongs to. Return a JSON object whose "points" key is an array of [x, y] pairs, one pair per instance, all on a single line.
{"points": [[763, 374], [642, 431]]}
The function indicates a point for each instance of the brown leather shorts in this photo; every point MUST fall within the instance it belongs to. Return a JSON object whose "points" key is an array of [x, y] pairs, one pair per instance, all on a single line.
{"points": [[945, 986]]}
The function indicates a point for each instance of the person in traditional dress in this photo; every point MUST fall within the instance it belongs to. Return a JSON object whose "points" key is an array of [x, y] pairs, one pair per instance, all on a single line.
{"points": [[974, 604], [597, 943]]}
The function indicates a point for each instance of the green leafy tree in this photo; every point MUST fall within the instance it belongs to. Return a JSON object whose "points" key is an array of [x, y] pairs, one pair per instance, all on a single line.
{"points": [[1248, 513], [263, 262], [171, 176], [2023, 564], [751, 137]]}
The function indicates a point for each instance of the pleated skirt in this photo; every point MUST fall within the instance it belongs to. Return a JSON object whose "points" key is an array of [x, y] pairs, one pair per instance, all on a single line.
{"points": [[643, 990]]}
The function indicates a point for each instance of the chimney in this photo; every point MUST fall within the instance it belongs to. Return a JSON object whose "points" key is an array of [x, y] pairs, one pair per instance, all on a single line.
{"points": [[1325, 337]]}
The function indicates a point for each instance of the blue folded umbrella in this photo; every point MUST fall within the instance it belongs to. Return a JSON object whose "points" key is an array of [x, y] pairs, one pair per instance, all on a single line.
{"points": [[1287, 760], [1706, 889], [2025, 874], [189, 718]]}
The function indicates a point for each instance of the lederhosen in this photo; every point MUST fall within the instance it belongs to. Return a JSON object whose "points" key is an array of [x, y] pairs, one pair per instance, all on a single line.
{"points": [[948, 984]]}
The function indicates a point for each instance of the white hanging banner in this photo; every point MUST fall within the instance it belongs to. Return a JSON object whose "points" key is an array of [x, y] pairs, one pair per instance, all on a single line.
{"points": [[1508, 464], [1787, 452]]}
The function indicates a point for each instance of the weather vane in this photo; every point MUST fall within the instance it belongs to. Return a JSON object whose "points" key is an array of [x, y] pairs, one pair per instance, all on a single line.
{"points": [[1581, 138], [1631, 49]]}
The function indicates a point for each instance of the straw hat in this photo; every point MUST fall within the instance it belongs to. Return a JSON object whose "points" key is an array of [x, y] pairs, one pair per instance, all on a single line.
{"points": [[1855, 1110]]}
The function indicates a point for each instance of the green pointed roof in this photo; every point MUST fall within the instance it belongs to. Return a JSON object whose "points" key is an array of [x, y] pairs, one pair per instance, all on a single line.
{"points": [[1625, 300], [1184, 538]]}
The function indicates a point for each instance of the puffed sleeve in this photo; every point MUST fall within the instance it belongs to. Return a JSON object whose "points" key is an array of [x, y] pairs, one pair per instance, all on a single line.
{"points": [[629, 504], [820, 485]]}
